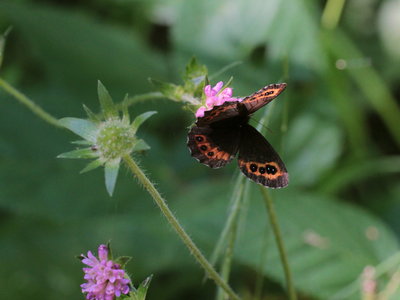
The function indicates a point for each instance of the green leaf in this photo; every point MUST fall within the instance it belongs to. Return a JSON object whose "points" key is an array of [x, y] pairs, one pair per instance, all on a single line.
{"points": [[123, 260], [225, 30], [140, 119], [79, 153], [358, 171], [143, 287], [169, 90], [91, 166], [82, 49], [81, 127], [110, 250], [125, 112], [3, 39], [194, 70], [370, 83], [141, 145], [111, 173], [327, 241], [82, 142], [195, 78], [106, 102], [91, 115], [312, 143]]}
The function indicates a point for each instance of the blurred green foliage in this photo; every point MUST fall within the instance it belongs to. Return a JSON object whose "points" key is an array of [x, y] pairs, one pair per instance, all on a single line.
{"points": [[337, 127]]}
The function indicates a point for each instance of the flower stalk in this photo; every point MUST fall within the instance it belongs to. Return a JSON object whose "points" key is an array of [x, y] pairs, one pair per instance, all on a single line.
{"points": [[24, 100], [172, 220], [278, 238]]}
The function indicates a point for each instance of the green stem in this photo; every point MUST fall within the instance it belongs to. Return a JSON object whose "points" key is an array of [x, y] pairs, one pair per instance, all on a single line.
{"points": [[332, 12], [232, 233], [37, 110], [143, 97], [278, 237], [226, 264], [178, 228], [260, 271], [229, 224]]}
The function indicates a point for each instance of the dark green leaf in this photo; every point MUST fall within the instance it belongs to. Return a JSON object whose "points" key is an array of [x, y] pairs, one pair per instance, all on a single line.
{"points": [[81, 127], [111, 173], [79, 153], [143, 287], [123, 260], [91, 115], [169, 90], [141, 145], [106, 102], [92, 165], [140, 119]]}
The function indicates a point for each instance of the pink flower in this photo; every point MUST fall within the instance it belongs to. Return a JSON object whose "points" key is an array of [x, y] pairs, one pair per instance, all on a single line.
{"points": [[105, 279], [215, 97]]}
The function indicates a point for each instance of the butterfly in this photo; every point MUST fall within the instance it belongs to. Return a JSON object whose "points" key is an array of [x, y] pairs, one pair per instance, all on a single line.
{"points": [[223, 131]]}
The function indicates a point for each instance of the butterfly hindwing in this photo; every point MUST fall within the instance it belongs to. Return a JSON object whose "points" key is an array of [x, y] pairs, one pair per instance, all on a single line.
{"points": [[214, 147], [262, 97], [259, 161]]}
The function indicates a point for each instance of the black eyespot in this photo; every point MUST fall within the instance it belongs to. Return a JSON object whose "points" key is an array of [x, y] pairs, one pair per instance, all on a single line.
{"points": [[210, 153], [253, 167], [261, 170], [199, 138], [204, 147], [271, 169]]}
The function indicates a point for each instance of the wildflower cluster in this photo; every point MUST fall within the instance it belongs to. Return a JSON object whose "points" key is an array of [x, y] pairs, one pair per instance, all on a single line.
{"points": [[105, 278], [215, 96]]}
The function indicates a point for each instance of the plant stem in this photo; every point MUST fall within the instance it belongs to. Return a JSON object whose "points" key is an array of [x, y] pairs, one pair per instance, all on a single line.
{"points": [[231, 235], [37, 110], [232, 218], [226, 265], [332, 12], [143, 97], [278, 237], [177, 227], [260, 271]]}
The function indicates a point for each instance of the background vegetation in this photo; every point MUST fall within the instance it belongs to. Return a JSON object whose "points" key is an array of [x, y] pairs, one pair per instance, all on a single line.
{"points": [[337, 127]]}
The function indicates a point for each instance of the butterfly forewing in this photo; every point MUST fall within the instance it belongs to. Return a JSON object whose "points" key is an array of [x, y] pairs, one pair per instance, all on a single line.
{"points": [[262, 97], [221, 112], [259, 161]]}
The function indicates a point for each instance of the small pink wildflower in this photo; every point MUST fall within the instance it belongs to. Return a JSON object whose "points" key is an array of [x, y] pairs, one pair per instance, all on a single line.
{"points": [[215, 97], [105, 279]]}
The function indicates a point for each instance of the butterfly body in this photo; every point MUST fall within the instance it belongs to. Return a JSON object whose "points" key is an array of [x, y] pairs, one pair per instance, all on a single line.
{"points": [[224, 131]]}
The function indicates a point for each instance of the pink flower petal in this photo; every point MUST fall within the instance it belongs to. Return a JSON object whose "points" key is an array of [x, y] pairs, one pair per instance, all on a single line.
{"points": [[105, 278], [103, 252], [208, 91], [200, 112], [218, 86], [226, 93]]}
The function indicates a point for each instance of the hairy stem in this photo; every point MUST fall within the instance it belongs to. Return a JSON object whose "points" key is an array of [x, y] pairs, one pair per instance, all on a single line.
{"points": [[173, 221], [37, 110], [278, 237]]}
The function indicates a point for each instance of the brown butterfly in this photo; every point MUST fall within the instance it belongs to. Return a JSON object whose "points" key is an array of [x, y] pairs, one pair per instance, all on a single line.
{"points": [[224, 131]]}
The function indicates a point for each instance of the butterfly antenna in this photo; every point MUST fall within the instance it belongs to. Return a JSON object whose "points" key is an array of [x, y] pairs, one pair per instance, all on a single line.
{"points": [[263, 125]]}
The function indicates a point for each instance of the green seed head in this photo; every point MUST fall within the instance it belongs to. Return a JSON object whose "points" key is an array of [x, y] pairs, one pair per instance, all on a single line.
{"points": [[115, 139]]}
